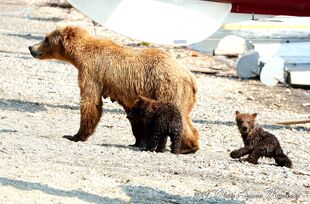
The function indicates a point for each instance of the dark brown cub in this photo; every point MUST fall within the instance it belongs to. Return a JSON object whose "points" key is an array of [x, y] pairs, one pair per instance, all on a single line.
{"points": [[160, 121], [258, 142]]}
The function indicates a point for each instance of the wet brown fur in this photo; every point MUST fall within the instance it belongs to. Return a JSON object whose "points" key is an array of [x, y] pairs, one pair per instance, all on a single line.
{"points": [[258, 142], [106, 69], [161, 120]]}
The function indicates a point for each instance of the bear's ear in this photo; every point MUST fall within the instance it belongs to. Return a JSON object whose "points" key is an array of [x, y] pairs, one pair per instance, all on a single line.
{"points": [[136, 101], [140, 97], [144, 99], [69, 32], [237, 112], [139, 101], [254, 115]]}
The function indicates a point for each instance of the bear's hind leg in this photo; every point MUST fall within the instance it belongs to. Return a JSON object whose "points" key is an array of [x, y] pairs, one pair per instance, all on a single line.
{"points": [[189, 143], [176, 137], [154, 135], [281, 159], [162, 144]]}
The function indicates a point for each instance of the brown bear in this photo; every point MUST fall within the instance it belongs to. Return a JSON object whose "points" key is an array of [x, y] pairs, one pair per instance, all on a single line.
{"points": [[258, 142], [106, 69], [161, 119]]}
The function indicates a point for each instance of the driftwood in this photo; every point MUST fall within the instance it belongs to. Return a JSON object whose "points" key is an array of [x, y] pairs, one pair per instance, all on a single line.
{"points": [[217, 71], [204, 70], [294, 122], [303, 173]]}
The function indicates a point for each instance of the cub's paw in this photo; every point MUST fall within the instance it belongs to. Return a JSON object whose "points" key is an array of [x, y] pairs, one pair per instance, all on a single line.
{"points": [[161, 150], [138, 144], [134, 145], [175, 151], [251, 160], [235, 154], [150, 149]]}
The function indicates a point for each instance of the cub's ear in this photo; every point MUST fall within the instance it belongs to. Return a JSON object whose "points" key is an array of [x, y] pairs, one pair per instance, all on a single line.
{"points": [[140, 97], [254, 115], [136, 101], [237, 112], [144, 99], [139, 101]]}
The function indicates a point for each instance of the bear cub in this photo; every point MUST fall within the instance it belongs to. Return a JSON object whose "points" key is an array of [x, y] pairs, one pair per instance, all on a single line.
{"points": [[258, 142], [160, 119]]}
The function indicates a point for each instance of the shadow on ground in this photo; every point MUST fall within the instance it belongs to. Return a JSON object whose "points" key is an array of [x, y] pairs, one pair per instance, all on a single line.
{"points": [[233, 123], [33, 107], [21, 106], [30, 186], [137, 194], [144, 194], [25, 36], [7, 131], [52, 19], [137, 149]]}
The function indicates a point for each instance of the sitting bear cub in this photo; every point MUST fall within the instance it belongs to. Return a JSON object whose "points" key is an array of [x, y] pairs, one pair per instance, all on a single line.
{"points": [[258, 142], [160, 119]]}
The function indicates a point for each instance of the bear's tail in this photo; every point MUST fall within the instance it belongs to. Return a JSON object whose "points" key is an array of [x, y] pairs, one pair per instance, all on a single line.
{"points": [[282, 159]]}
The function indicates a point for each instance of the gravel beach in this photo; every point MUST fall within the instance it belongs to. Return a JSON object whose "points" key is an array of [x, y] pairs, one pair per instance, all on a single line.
{"points": [[39, 103]]}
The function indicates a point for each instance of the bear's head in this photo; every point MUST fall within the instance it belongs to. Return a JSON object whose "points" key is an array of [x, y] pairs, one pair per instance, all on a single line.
{"points": [[58, 43], [245, 122], [141, 108]]}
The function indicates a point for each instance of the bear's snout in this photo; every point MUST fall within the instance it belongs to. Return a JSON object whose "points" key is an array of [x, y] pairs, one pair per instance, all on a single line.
{"points": [[34, 54], [245, 129]]}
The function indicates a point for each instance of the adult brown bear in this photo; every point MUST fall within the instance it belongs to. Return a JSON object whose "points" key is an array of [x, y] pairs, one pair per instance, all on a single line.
{"points": [[121, 73]]}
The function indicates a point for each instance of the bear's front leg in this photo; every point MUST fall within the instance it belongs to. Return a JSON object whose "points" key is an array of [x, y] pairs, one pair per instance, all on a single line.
{"points": [[138, 130], [259, 151], [155, 134], [162, 144], [240, 152], [91, 110]]}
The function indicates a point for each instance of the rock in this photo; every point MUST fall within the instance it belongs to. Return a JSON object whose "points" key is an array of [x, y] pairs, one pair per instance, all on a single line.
{"points": [[232, 45]]}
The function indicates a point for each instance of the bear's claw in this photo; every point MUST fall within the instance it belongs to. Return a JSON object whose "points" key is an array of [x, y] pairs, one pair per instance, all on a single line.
{"points": [[73, 138]]}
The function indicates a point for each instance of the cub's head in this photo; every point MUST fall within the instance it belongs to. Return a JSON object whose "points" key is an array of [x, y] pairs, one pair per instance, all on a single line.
{"points": [[141, 108], [245, 122], [57, 43]]}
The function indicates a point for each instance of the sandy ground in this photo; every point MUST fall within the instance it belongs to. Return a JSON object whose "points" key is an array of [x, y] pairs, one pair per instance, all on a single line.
{"points": [[39, 103]]}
